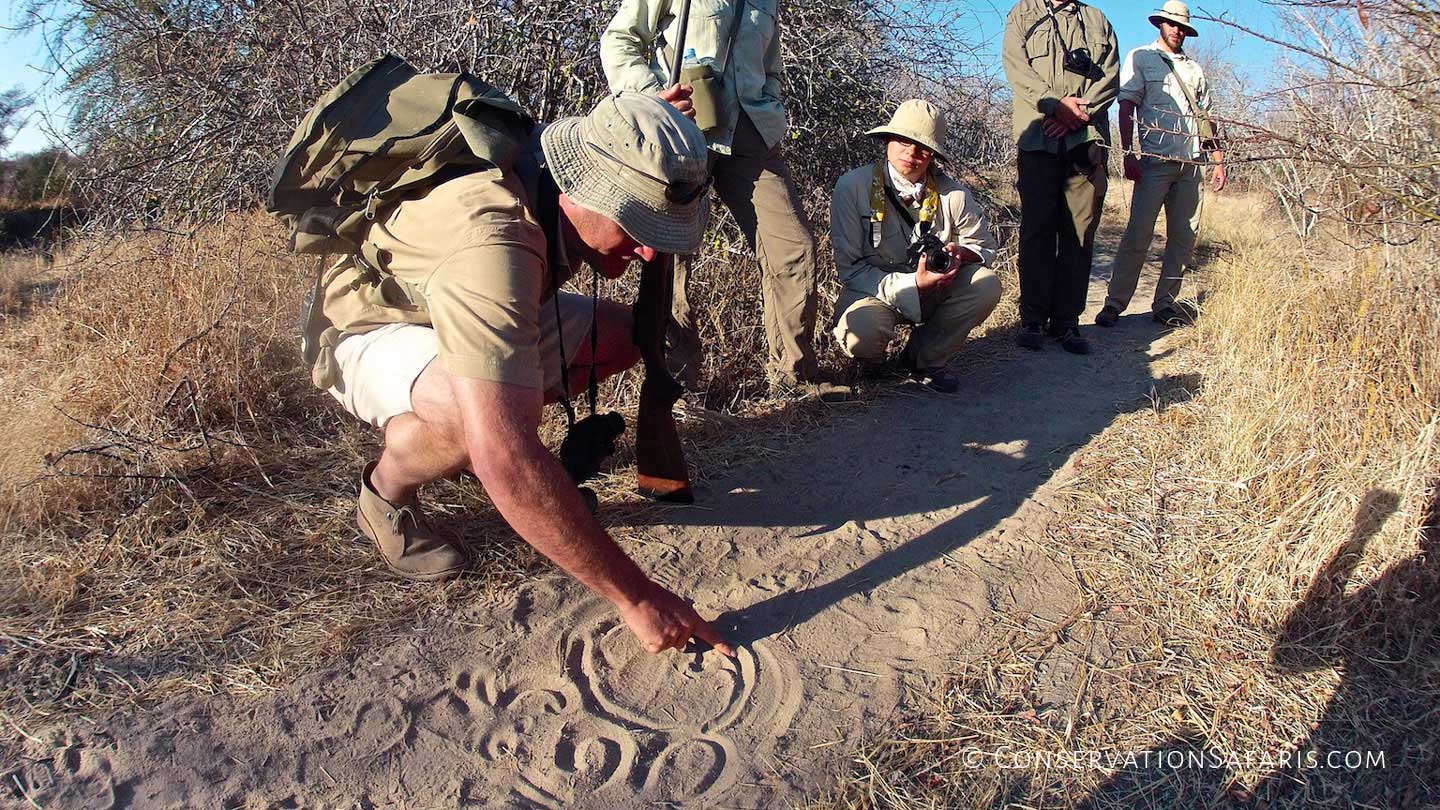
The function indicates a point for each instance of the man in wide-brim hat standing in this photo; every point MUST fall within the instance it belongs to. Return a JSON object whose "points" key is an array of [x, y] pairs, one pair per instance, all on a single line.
{"points": [[876, 212], [1165, 91]]}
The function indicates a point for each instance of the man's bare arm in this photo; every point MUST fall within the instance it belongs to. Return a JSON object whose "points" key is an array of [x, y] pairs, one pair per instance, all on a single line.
{"points": [[1127, 140], [533, 493]]}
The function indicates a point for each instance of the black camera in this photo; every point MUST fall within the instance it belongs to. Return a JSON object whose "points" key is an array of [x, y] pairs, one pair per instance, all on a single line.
{"points": [[1079, 61], [589, 442], [937, 258]]}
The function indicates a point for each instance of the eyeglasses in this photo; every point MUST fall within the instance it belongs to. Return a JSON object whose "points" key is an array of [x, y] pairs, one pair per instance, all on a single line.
{"points": [[921, 149]]}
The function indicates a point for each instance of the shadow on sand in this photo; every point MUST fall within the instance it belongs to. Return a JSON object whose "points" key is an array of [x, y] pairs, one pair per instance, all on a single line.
{"points": [[1377, 741], [974, 458]]}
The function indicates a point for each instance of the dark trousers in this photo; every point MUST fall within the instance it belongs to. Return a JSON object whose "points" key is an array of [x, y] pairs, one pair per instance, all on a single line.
{"points": [[1060, 207]]}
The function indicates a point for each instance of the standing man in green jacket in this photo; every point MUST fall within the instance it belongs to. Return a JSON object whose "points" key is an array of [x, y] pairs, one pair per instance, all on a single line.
{"points": [[741, 40], [1063, 64]]}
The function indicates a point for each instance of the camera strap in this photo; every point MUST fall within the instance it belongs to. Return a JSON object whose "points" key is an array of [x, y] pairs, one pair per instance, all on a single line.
{"points": [[1055, 25], [882, 190], [592, 390]]}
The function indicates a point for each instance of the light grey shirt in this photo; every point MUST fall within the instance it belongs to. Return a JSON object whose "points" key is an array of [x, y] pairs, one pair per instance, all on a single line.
{"points": [[1168, 127], [637, 47]]}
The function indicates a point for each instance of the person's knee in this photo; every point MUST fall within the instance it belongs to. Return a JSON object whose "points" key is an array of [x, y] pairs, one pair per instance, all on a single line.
{"points": [[988, 290], [860, 340]]}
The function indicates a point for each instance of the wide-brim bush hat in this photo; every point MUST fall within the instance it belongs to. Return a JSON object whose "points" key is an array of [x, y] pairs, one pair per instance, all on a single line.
{"points": [[635, 160], [1176, 12], [919, 121]]}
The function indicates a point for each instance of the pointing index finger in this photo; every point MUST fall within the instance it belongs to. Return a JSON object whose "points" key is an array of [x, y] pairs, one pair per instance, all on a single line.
{"points": [[703, 631]]}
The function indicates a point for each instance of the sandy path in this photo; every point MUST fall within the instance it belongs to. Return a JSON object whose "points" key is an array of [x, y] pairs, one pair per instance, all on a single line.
{"points": [[874, 551]]}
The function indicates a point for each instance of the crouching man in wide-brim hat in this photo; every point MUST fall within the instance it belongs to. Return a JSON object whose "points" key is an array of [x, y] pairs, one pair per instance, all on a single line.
{"points": [[876, 212], [457, 362]]}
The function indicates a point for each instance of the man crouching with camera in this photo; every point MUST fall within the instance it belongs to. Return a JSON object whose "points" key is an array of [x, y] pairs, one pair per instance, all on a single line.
{"points": [[911, 245]]}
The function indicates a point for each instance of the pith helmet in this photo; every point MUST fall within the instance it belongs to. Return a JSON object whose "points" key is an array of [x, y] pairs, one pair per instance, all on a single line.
{"points": [[1176, 12], [639, 162], [919, 121]]}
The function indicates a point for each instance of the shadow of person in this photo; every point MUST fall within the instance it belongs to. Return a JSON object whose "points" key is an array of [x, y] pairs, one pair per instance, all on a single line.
{"points": [[1383, 637], [1377, 743], [1180, 772]]}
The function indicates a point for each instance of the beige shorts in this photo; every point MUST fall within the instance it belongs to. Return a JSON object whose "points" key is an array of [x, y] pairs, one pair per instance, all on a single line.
{"points": [[376, 370]]}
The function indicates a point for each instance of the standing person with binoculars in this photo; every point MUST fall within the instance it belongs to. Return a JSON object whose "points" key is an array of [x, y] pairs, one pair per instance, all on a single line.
{"points": [[911, 245], [730, 86], [1063, 63]]}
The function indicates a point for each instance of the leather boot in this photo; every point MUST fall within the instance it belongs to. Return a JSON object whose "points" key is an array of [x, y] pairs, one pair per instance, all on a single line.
{"points": [[407, 545]]}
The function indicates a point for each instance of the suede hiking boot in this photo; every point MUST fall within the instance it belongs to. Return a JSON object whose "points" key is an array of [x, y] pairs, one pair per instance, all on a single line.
{"points": [[1031, 336], [939, 380], [821, 388], [407, 545], [875, 370], [1173, 317], [1107, 317]]}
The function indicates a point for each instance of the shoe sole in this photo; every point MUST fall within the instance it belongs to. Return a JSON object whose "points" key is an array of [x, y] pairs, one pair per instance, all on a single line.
{"points": [[413, 577]]}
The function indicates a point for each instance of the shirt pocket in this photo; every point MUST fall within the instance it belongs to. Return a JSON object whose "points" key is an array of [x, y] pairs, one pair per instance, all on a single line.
{"points": [[1040, 43], [894, 239]]}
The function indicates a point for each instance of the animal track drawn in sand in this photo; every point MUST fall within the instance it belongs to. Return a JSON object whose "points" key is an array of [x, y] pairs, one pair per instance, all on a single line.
{"points": [[652, 724], [664, 692]]}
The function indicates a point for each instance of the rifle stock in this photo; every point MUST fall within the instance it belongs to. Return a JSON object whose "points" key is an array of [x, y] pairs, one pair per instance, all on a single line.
{"points": [[659, 457]]}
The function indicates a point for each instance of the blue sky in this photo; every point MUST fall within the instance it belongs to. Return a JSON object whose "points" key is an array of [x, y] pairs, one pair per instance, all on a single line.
{"points": [[22, 59], [982, 21]]}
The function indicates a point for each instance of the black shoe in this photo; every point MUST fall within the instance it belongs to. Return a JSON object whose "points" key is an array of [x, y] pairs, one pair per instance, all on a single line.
{"points": [[1031, 336], [1107, 317], [1173, 317], [1072, 341], [875, 370], [939, 380]]}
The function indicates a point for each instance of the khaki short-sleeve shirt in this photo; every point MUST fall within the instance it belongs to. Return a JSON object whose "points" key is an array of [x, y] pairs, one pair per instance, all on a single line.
{"points": [[469, 258]]}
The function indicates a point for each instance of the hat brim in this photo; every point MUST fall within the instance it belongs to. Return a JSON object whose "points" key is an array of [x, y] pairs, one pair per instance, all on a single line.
{"points": [[634, 202], [1187, 27], [885, 132]]}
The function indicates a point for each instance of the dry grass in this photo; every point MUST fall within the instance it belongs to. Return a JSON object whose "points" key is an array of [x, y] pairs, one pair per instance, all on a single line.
{"points": [[1256, 580]]}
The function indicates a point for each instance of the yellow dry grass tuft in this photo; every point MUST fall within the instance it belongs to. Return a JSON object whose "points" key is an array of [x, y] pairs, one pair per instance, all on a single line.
{"points": [[1258, 583]]}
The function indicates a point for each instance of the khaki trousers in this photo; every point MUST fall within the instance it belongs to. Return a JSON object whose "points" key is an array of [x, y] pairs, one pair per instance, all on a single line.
{"points": [[866, 325], [1178, 188], [754, 183]]}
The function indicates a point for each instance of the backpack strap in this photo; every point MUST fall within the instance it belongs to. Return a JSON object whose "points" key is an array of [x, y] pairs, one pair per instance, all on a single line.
{"points": [[1204, 129], [730, 38]]}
